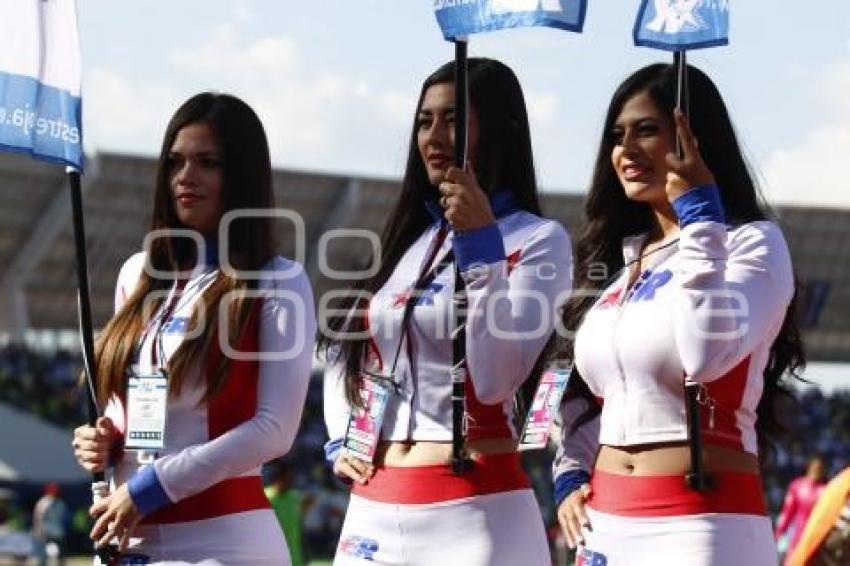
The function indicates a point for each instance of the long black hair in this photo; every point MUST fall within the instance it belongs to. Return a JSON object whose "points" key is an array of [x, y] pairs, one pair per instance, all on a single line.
{"points": [[503, 162], [247, 183], [611, 216]]}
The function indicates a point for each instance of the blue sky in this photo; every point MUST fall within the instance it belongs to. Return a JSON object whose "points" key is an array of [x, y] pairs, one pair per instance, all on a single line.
{"points": [[335, 81]]}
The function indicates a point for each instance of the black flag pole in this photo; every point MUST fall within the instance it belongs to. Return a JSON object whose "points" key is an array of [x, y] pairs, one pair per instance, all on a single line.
{"points": [[696, 478], [83, 295], [461, 100], [682, 99], [460, 462], [99, 486]]}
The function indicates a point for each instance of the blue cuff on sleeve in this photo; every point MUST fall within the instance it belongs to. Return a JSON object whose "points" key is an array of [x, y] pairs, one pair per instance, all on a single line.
{"points": [[146, 491], [478, 247], [332, 450], [568, 482], [700, 204]]}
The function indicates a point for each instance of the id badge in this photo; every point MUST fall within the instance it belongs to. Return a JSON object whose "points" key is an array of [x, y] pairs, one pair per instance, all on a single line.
{"points": [[544, 407], [364, 424], [147, 396]]}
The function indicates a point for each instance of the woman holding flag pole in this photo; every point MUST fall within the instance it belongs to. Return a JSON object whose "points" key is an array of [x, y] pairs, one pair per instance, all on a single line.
{"points": [[204, 367], [699, 292], [388, 386]]}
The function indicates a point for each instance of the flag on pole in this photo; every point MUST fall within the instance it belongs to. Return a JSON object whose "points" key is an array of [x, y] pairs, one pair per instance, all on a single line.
{"points": [[679, 25], [40, 102], [459, 18]]}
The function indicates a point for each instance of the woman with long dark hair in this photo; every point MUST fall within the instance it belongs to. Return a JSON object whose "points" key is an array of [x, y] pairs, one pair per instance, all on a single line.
{"points": [[390, 356], [681, 278], [203, 370]]}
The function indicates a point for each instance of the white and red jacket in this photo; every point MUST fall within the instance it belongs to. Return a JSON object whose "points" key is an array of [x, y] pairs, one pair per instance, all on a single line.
{"points": [[517, 272], [705, 310], [210, 467]]}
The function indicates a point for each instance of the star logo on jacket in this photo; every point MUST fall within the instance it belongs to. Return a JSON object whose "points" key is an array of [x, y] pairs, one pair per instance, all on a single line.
{"points": [[611, 299], [425, 297], [177, 325], [645, 287]]}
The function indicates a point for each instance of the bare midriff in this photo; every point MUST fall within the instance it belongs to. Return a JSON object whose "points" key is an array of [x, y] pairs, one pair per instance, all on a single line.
{"points": [[425, 453], [671, 459]]}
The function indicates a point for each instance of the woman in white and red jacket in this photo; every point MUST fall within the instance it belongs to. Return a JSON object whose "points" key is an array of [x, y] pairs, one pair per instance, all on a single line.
{"points": [[230, 329], [408, 507], [693, 285]]}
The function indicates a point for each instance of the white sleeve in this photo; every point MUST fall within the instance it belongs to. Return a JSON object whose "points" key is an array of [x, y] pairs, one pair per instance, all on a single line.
{"points": [[512, 312], [575, 450], [732, 296], [286, 343], [128, 278]]}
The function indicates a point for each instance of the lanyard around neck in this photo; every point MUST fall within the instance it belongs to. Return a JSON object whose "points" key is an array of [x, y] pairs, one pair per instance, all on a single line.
{"points": [[177, 299], [426, 277]]}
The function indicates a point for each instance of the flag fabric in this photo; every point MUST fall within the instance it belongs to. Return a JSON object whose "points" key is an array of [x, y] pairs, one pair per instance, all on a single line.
{"points": [[678, 25], [40, 102], [459, 18]]}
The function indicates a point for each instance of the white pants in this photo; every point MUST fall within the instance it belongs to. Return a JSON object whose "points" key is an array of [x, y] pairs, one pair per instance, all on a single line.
{"points": [[499, 529], [252, 538], [715, 539]]}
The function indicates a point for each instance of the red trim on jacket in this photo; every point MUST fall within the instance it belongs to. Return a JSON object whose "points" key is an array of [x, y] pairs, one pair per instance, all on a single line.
{"points": [[234, 404], [727, 393]]}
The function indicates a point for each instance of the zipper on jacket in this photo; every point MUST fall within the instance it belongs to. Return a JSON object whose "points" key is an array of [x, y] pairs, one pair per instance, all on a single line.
{"points": [[622, 373]]}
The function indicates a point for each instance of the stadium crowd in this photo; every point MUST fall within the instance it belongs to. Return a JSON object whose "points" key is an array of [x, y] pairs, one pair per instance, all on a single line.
{"points": [[44, 384]]}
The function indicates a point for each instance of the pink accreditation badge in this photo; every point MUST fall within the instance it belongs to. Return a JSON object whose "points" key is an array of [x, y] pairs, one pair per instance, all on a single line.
{"points": [[544, 407], [364, 424]]}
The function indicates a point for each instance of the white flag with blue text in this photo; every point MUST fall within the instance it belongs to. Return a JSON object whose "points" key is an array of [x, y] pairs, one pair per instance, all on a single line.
{"points": [[40, 103], [459, 18], [678, 25]]}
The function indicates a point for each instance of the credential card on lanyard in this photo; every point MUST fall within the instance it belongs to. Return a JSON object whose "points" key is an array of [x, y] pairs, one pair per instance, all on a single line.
{"points": [[147, 396], [364, 424], [544, 407]]}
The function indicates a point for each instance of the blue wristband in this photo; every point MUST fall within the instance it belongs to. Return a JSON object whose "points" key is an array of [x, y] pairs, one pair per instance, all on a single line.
{"points": [[146, 490], [568, 482], [700, 204], [332, 450]]}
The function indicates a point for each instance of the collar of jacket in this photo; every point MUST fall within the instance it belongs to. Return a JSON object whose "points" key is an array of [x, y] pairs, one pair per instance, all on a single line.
{"points": [[502, 203]]}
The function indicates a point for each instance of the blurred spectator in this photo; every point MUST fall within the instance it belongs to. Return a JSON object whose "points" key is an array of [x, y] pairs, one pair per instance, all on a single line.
{"points": [[815, 424], [49, 525], [801, 496], [826, 536]]}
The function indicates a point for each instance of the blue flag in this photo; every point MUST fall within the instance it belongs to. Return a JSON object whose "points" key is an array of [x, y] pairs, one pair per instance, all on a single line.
{"points": [[678, 25], [40, 102], [459, 18]]}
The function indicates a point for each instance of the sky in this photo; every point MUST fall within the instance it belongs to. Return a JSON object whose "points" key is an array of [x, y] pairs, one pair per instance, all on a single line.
{"points": [[335, 81]]}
